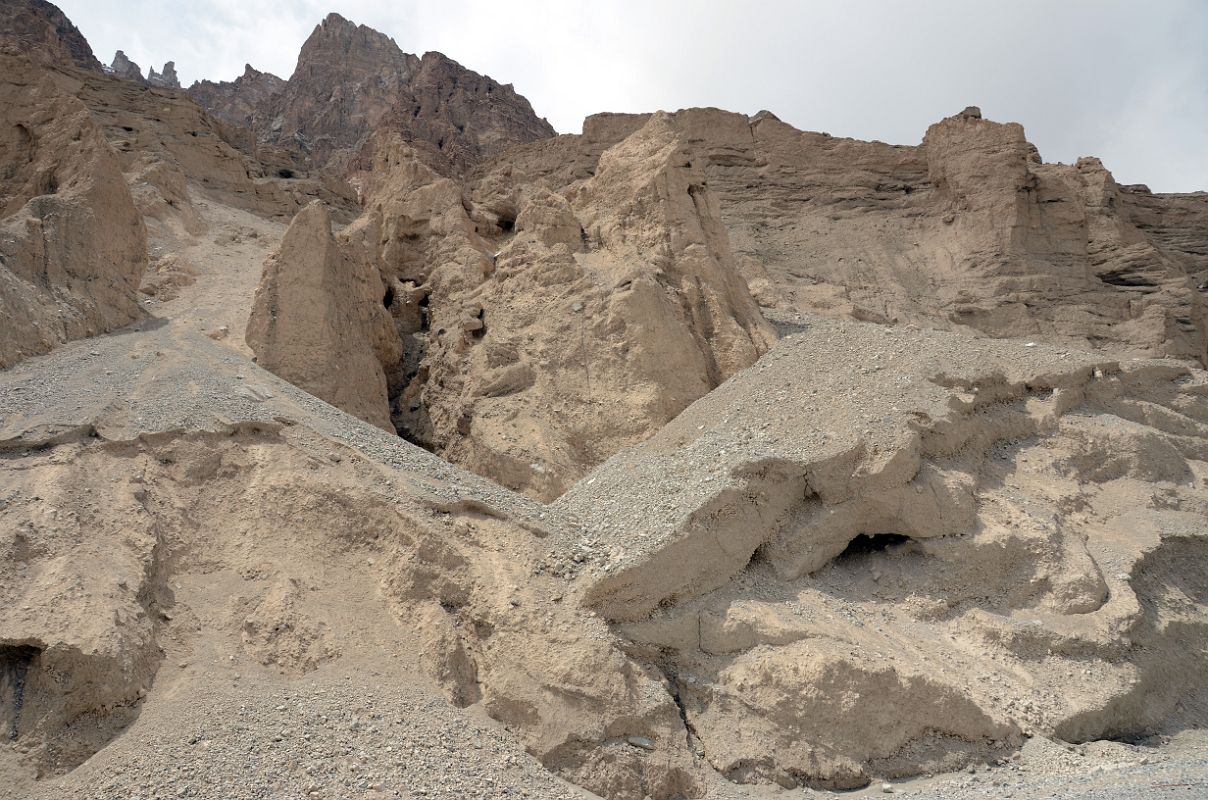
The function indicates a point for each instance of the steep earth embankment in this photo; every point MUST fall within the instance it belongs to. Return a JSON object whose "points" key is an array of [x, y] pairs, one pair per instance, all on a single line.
{"points": [[509, 289], [968, 230], [72, 243], [541, 337]]}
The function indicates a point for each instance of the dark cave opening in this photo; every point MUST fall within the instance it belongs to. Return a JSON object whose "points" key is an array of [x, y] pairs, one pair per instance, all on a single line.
{"points": [[15, 661], [865, 544], [1127, 280]]}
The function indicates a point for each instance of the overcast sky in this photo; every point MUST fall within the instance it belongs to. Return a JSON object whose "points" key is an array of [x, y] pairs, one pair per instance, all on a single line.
{"points": [[1126, 81]]}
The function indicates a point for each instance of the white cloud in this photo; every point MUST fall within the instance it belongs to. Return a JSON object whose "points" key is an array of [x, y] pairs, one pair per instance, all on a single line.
{"points": [[1122, 80]]}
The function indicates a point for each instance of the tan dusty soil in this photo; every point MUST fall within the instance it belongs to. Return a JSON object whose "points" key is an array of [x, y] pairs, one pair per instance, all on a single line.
{"points": [[221, 267]]}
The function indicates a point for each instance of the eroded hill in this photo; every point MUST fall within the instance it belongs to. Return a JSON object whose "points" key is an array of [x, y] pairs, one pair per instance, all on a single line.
{"points": [[751, 460]]}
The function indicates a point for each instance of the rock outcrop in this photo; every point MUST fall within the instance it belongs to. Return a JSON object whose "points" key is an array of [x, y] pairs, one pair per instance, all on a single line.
{"points": [[549, 331], [607, 310], [351, 81], [319, 322], [173, 152], [455, 118], [245, 101], [40, 32], [90, 161], [166, 79], [122, 67], [804, 552], [720, 532], [1177, 224], [346, 78], [968, 230], [72, 243]]}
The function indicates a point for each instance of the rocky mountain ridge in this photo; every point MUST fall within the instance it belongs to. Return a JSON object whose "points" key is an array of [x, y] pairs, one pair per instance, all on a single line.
{"points": [[38, 30], [351, 81], [123, 67], [241, 102]]}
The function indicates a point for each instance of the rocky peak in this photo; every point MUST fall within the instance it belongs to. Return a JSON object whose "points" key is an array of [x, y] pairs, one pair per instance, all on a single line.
{"points": [[352, 81], [346, 79], [166, 79], [357, 45], [123, 67], [41, 32]]}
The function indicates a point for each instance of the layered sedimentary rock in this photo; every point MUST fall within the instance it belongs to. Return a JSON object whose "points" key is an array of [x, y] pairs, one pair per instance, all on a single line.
{"points": [[89, 159], [39, 31], [351, 81], [1177, 223], [72, 243], [171, 150], [802, 499], [843, 553], [968, 230]]}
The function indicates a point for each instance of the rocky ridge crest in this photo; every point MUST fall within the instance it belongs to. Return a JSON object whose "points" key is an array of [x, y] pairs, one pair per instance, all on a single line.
{"points": [[351, 81], [38, 30]]}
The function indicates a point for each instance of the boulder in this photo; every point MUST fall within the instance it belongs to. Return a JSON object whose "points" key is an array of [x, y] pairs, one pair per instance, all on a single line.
{"points": [[318, 319]]}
